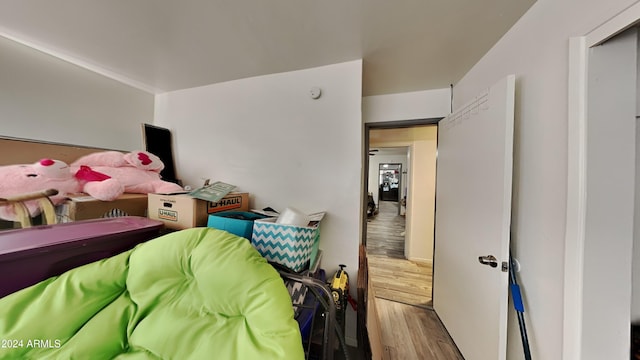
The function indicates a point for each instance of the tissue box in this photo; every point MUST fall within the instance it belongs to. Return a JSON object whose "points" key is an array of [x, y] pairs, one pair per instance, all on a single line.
{"points": [[236, 222], [287, 245]]}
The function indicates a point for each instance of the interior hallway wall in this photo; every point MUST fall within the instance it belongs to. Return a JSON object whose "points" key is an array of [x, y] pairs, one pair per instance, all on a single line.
{"points": [[422, 201], [406, 106], [635, 278], [536, 50], [45, 98]]}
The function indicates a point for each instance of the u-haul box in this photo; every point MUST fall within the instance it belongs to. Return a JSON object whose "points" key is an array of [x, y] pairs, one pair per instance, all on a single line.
{"points": [[181, 211]]}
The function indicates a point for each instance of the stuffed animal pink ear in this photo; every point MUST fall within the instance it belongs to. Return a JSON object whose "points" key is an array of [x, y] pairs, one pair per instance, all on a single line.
{"points": [[144, 160]]}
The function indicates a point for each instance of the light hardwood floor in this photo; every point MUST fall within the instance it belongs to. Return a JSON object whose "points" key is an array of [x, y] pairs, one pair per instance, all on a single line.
{"points": [[410, 332], [408, 327], [401, 280], [394, 277], [385, 231]]}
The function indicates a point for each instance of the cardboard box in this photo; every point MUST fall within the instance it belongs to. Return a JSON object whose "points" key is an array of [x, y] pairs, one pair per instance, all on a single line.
{"points": [[181, 211], [236, 222], [232, 201], [293, 247], [83, 207]]}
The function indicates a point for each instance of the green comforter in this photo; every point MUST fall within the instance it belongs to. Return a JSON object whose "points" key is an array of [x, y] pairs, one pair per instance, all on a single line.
{"points": [[194, 294]]}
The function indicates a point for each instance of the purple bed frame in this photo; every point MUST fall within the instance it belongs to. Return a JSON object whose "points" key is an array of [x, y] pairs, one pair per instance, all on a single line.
{"points": [[30, 255]]}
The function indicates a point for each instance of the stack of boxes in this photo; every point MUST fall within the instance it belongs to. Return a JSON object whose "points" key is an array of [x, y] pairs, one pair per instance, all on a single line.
{"points": [[294, 247]]}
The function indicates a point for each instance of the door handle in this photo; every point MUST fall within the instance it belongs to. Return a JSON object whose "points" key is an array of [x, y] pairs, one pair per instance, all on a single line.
{"points": [[488, 260]]}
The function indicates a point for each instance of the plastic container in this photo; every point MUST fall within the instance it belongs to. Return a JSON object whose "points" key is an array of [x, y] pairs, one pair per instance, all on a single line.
{"points": [[236, 222]]}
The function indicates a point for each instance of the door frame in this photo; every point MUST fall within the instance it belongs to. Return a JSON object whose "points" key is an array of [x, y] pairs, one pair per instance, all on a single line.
{"points": [[576, 211], [363, 281], [365, 151]]}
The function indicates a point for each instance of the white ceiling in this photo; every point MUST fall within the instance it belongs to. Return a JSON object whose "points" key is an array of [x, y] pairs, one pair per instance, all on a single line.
{"points": [[164, 45]]}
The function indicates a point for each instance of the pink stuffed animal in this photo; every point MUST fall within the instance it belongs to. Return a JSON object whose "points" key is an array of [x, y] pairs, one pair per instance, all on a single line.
{"points": [[103, 175], [106, 175], [43, 175]]}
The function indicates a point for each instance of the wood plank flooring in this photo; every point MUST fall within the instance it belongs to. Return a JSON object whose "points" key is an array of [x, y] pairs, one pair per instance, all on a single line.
{"points": [[385, 231], [401, 280], [409, 328], [410, 332], [393, 277]]}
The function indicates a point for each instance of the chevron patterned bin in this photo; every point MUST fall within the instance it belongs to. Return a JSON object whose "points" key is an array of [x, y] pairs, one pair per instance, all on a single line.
{"points": [[287, 245]]}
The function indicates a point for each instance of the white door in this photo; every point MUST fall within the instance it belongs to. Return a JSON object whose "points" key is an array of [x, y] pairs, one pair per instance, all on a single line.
{"points": [[473, 218]]}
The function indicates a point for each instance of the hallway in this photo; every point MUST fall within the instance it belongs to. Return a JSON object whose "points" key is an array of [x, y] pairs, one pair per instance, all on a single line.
{"points": [[409, 328], [385, 231], [393, 277]]}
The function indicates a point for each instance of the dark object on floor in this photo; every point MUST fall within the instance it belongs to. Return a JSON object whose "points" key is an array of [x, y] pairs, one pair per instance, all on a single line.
{"points": [[371, 206], [635, 341]]}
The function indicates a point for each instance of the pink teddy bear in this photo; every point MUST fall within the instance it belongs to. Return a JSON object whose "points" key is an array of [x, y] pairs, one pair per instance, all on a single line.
{"points": [[103, 175], [43, 175], [106, 175]]}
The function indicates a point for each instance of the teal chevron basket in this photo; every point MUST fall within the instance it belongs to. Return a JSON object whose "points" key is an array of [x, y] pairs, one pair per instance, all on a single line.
{"points": [[287, 245]]}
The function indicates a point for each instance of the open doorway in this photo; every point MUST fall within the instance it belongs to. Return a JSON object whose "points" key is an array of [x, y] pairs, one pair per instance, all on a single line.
{"points": [[602, 261], [389, 184], [399, 233], [386, 227]]}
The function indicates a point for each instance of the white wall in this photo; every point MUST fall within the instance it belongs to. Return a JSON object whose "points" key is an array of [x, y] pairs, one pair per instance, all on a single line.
{"points": [[422, 197], [635, 263], [536, 50], [407, 106], [267, 136], [45, 98], [635, 278], [609, 205]]}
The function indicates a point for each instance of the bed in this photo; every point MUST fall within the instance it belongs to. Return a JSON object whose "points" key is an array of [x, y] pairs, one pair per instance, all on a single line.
{"points": [[198, 293]]}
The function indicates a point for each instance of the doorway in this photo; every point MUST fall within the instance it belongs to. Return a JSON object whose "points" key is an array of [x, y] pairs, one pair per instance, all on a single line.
{"points": [[389, 183], [386, 226], [398, 236], [601, 259]]}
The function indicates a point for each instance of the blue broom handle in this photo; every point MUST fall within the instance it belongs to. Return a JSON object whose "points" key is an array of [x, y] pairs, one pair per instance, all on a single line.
{"points": [[516, 295]]}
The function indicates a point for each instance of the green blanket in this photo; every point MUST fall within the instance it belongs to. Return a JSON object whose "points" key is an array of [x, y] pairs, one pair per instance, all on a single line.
{"points": [[193, 294]]}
